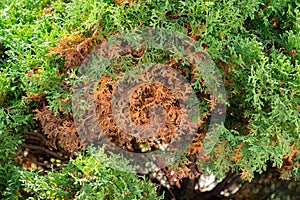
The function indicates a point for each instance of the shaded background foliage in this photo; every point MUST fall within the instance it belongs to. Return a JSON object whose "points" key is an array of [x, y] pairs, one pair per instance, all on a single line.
{"points": [[254, 44]]}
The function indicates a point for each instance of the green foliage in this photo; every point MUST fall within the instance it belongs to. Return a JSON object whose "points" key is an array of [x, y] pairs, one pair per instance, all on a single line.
{"points": [[270, 101], [9, 173], [89, 176]]}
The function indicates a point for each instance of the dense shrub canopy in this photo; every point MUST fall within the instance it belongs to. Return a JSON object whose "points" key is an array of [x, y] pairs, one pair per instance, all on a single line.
{"points": [[255, 45]]}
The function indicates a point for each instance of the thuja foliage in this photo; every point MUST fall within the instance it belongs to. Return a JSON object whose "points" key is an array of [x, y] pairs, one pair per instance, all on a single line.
{"points": [[89, 176], [254, 44], [9, 172]]}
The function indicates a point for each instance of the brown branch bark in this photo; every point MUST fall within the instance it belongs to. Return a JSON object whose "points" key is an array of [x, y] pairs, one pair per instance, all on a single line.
{"points": [[43, 149]]}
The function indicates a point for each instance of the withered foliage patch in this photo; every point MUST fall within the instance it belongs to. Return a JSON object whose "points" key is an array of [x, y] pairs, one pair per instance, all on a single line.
{"points": [[141, 101], [60, 132], [74, 49], [143, 98], [106, 120], [36, 98]]}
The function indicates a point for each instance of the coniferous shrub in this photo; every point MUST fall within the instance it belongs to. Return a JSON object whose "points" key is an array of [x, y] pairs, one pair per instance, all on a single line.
{"points": [[43, 43]]}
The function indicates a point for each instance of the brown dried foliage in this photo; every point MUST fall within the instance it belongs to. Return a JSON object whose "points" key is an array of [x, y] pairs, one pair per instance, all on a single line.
{"points": [[197, 32], [142, 99], [59, 131], [74, 49], [237, 155], [288, 163]]}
